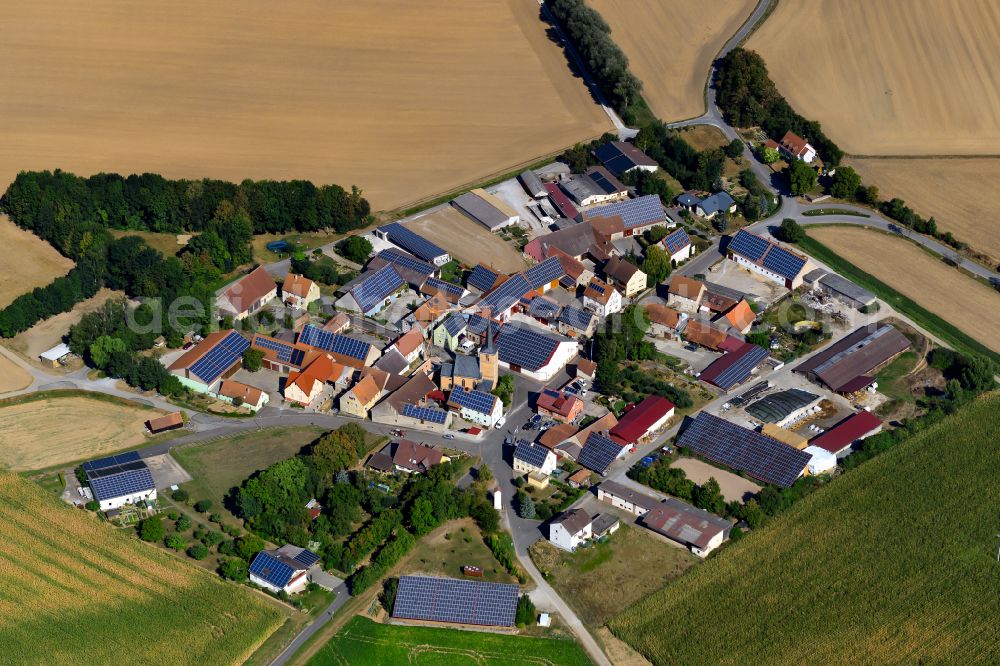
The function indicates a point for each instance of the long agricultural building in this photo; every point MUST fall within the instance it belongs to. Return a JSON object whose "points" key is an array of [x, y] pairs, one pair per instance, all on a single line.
{"points": [[769, 259], [849, 365]]}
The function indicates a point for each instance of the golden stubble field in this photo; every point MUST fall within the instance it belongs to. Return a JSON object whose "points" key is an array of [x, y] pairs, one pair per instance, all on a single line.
{"points": [[44, 433], [957, 192], [960, 300], [468, 241], [26, 261], [670, 45], [403, 99], [12, 377], [892, 77], [74, 586]]}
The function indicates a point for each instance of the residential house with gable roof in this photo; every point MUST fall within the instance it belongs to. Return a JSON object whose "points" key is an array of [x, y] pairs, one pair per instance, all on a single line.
{"points": [[299, 291], [247, 295]]}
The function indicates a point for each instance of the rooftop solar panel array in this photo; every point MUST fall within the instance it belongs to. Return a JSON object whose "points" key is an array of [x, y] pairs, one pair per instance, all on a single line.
{"points": [[452, 290], [478, 324], [532, 454], [482, 278], [117, 476], [602, 181], [598, 453], [544, 273], [429, 414], [740, 371], [404, 260], [677, 241], [269, 568], [112, 461], [377, 287], [575, 317], [524, 347], [761, 457], [306, 558], [543, 308], [475, 400], [506, 295], [220, 358], [455, 324], [634, 212], [284, 351], [746, 244], [456, 601], [783, 262], [411, 242], [597, 286], [336, 343]]}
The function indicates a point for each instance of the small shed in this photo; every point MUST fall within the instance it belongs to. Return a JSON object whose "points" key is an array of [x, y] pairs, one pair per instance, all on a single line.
{"points": [[166, 422], [53, 356]]}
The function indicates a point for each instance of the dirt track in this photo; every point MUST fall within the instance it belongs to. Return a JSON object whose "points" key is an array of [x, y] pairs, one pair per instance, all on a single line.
{"points": [[403, 99]]}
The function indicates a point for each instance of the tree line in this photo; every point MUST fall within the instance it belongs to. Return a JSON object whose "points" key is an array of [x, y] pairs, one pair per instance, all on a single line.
{"points": [[607, 63]]}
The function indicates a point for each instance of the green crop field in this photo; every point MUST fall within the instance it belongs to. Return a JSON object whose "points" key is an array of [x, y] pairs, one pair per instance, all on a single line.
{"points": [[894, 562], [73, 590], [362, 641]]}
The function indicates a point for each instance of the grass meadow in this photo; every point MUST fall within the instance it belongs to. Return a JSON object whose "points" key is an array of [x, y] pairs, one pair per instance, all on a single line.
{"points": [[73, 590], [895, 561]]}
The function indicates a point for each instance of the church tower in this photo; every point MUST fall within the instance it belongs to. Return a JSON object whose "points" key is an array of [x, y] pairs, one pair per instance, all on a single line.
{"points": [[489, 364]]}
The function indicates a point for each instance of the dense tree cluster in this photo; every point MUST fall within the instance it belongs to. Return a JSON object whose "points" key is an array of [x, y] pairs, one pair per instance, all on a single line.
{"points": [[322, 269], [748, 97], [591, 37], [900, 212], [581, 156], [698, 170]]}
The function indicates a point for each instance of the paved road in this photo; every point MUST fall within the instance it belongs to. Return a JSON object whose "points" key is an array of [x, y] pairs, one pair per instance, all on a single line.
{"points": [[317, 624]]}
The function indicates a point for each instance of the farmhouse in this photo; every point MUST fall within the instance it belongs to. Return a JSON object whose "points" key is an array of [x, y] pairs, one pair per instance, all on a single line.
{"points": [[486, 209], [279, 355], [412, 458], [719, 298], [361, 397], [769, 259], [393, 362], [426, 317], [241, 395], [626, 276], [171, 421], [247, 295], [338, 323], [685, 293], [735, 367], [699, 530], [794, 146], [408, 406], [720, 202], [838, 439], [621, 157], [298, 291], [625, 498], [577, 241], [216, 357], [279, 571], [372, 291], [485, 278], [702, 333], [544, 310], [678, 245], [595, 186], [839, 288], [663, 321], [410, 345], [601, 298], [533, 353], [641, 422], [849, 365], [450, 333], [306, 385], [346, 350], [478, 407], [529, 457], [558, 405], [740, 317], [413, 243], [119, 480], [636, 215], [570, 528]]}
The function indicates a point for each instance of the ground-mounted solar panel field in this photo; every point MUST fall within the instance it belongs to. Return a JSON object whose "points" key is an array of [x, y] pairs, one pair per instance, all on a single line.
{"points": [[893, 563], [362, 641], [76, 590]]}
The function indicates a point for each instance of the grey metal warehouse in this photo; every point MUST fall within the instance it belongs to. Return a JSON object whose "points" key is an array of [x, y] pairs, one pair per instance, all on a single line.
{"points": [[840, 288]]}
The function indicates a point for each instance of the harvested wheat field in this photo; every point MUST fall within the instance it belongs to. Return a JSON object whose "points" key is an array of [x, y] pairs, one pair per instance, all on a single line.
{"points": [[403, 99], [671, 44], [467, 241], [79, 590], [960, 300], [12, 377], [48, 333], [704, 137], [893, 77], [950, 190], [38, 434], [27, 261]]}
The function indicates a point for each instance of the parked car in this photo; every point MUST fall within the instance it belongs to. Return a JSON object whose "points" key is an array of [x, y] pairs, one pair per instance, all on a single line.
{"points": [[501, 421], [449, 436]]}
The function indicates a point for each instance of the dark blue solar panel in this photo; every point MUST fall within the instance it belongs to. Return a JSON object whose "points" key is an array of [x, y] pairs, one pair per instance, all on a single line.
{"points": [[783, 262], [271, 569], [306, 558], [112, 461], [429, 414], [478, 324], [455, 324], [639, 212], [456, 601], [598, 287], [761, 457], [334, 342], [525, 347], [452, 290], [543, 308], [220, 358], [740, 371], [412, 242], [122, 483], [746, 244], [598, 453], [482, 278], [475, 400], [576, 318], [533, 454], [377, 287], [676, 241], [544, 273], [404, 260], [506, 295], [283, 350]]}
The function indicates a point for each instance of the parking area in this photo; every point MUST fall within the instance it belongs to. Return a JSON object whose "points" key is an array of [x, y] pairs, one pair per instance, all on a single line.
{"points": [[166, 471], [697, 358], [514, 195], [729, 274]]}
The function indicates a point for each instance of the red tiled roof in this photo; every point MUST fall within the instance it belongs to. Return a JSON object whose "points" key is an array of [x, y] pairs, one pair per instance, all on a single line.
{"points": [[841, 436], [233, 389], [794, 143], [703, 334], [250, 289], [409, 342], [297, 285], [165, 422], [636, 423], [557, 402], [661, 314]]}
